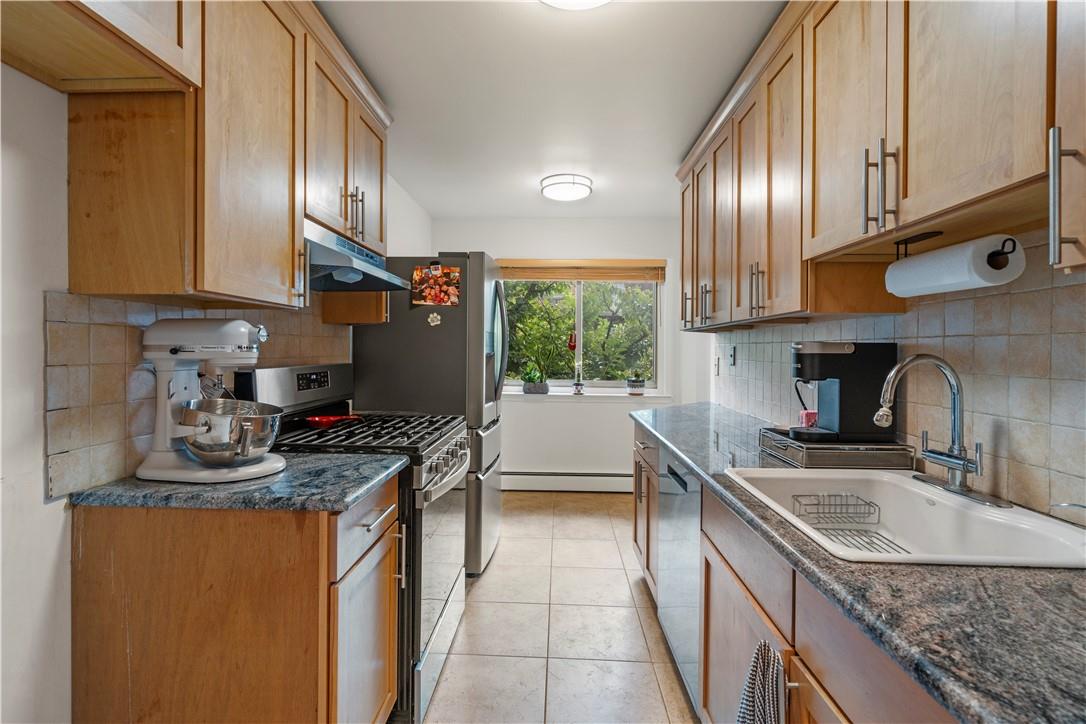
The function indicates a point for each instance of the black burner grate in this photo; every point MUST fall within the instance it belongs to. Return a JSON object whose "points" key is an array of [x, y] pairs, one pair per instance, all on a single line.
{"points": [[407, 432]]}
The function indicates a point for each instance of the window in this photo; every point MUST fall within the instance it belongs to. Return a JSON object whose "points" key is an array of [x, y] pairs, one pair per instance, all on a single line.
{"points": [[614, 323]]}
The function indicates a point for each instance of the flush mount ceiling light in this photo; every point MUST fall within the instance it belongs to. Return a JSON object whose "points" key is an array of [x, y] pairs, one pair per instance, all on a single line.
{"points": [[566, 187], [575, 4]]}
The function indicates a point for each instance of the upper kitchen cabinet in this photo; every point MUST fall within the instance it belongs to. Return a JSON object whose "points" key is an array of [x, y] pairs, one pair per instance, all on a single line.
{"points": [[688, 260], [723, 224], [345, 155], [750, 207], [197, 193], [783, 288], [703, 239], [98, 45], [1067, 139], [369, 179], [845, 104], [250, 243], [328, 141], [967, 103]]}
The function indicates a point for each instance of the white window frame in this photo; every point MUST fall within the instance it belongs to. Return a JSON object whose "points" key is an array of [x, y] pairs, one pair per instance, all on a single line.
{"points": [[651, 382]]}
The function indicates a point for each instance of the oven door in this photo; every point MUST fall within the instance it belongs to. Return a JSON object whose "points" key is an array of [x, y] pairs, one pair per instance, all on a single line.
{"points": [[441, 509]]}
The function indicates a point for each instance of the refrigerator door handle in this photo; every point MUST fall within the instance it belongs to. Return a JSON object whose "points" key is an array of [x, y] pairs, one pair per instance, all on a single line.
{"points": [[499, 379]]}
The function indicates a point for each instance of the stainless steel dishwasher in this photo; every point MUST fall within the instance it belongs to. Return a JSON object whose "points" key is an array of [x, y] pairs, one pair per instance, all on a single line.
{"points": [[678, 584]]}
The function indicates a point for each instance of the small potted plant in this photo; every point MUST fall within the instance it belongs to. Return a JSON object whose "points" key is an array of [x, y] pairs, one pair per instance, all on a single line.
{"points": [[635, 383], [535, 383]]}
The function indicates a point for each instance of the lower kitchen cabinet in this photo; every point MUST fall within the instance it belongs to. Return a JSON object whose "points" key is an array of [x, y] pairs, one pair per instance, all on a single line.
{"points": [[641, 511], [363, 636], [236, 615], [808, 702], [646, 530], [833, 672], [732, 626]]}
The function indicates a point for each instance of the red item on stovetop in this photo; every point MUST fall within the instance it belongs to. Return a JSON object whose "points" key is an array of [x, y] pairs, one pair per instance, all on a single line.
{"points": [[322, 422]]}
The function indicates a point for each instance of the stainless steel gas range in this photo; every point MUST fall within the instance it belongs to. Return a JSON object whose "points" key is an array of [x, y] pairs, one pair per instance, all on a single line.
{"points": [[432, 501]]}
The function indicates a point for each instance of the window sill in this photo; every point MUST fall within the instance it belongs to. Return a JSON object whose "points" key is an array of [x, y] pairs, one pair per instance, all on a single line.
{"points": [[604, 394]]}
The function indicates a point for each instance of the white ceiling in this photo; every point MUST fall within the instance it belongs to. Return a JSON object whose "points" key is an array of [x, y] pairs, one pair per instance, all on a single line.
{"points": [[489, 97]]}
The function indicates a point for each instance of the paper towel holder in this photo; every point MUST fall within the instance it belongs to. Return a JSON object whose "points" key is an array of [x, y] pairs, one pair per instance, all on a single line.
{"points": [[901, 246], [998, 259]]}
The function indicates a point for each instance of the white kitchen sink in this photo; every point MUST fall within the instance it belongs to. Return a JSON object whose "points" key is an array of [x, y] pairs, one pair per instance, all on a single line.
{"points": [[888, 517]]}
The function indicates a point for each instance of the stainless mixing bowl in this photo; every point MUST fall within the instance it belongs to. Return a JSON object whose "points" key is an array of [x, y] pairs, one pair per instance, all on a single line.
{"points": [[229, 432]]}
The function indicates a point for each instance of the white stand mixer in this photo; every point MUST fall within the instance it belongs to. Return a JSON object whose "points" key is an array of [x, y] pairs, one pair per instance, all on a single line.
{"points": [[177, 348]]}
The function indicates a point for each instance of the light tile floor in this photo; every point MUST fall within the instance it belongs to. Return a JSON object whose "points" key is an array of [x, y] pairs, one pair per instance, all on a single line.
{"points": [[561, 627]]}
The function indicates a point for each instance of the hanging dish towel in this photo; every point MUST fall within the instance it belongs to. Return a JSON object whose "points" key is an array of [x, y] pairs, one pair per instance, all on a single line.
{"points": [[760, 702]]}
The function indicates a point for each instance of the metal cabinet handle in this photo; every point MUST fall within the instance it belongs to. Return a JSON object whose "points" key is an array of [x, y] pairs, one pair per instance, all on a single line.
{"points": [[865, 189], [687, 320], [380, 519], [759, 278], [402, 575], [642, 445], [352, 209], [303, 274], [750, 288], [1056, 152], [882, 211]]}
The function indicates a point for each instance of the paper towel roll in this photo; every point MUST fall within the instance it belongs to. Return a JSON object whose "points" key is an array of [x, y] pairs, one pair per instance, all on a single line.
{"points": [[968, 265]]}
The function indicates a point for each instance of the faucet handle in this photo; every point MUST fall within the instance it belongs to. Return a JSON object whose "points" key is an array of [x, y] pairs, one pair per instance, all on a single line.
{"points": [[980, 459]]}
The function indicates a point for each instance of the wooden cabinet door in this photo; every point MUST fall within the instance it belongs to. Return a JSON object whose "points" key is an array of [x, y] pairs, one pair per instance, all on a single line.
{"points": [[1071, 119], [967, 101], [808, 702], [369, 180], [750, 207], [845, 92], [641, 520], [688, 260], [328, 141], [720, 309], [170, 30], [651, 485], [785, 278], [363, 630], [732, 625], [703, 240], [251, 159]]}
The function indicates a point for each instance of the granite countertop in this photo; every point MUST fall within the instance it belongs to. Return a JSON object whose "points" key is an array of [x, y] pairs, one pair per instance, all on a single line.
{"points": [[330, 482], [990, 644]]}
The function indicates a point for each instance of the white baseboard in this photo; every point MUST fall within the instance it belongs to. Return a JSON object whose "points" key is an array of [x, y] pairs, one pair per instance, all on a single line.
{"points": [[568, 483]]}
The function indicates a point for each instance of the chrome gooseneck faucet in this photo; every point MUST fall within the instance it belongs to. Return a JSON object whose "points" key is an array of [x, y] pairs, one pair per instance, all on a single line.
{"points": [[955, 459]]}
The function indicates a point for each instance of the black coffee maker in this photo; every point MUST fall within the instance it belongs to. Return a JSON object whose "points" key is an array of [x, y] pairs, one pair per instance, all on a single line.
{"points": [[850, 376]]}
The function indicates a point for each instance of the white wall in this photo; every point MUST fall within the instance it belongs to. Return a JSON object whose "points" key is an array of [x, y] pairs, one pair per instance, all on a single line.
{"points": [[587, 435], [409, 225], [36, 595]]}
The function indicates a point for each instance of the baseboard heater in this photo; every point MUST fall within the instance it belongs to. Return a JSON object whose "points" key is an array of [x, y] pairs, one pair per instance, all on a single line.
{"points": [[567, 481]]}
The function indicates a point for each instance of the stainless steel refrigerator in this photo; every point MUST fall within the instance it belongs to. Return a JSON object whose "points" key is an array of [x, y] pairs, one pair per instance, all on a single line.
{"points": [[446, 359]]}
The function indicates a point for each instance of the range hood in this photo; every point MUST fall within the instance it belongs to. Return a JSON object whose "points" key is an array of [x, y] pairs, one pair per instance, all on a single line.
{"points": [[337, 264]]}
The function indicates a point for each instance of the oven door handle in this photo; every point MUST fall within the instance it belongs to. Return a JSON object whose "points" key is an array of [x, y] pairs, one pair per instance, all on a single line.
{"points": [[428, 495]]}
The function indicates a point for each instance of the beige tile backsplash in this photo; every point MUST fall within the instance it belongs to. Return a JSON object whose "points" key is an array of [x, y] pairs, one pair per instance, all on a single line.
{"points": [[1019, 348], [99, 393]]}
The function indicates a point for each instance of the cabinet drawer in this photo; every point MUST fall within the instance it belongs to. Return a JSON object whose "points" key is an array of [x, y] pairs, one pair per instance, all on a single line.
{"points": [[761, 569], [647, 446], [359, 527], [863, 680]]}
